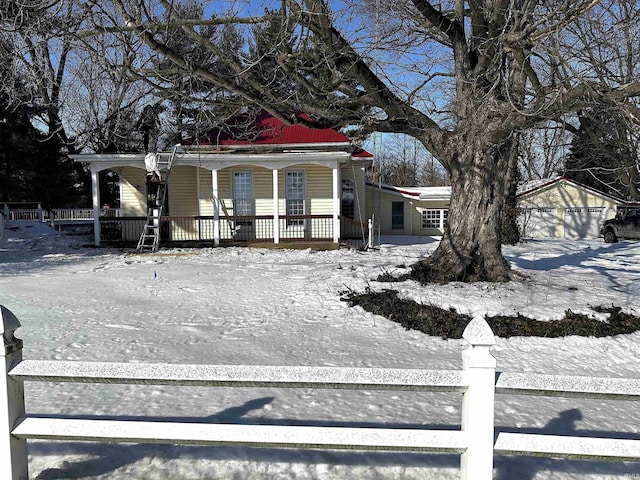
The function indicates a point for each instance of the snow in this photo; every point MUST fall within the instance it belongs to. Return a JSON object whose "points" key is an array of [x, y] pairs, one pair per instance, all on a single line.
{"points": [[282, 307]]}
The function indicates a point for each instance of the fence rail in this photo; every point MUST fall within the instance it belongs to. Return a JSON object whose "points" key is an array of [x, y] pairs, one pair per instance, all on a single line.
{"points": [[55, 216], [70, 215], [474, 441], [240, 376], [31, 211], [30, 214]]}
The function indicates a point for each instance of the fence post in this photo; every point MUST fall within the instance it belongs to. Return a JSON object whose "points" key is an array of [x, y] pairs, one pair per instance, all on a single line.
{"points": [[13, 451], [479, 367]]}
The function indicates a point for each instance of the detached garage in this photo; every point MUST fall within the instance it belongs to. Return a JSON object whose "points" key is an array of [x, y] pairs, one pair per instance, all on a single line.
{"points": [[563, 208]]}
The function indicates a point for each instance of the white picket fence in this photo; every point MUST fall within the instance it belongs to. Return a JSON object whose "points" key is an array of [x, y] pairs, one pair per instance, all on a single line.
{"points": [[56, 216], [71, 215], [477, 382], [35, 214]]}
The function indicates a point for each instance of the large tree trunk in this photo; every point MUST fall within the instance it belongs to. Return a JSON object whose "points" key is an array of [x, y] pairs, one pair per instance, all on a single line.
{"points": [[470, 249]]}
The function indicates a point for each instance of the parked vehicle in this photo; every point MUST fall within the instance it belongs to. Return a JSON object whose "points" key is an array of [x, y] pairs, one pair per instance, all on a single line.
{"points": [[626, 224]]}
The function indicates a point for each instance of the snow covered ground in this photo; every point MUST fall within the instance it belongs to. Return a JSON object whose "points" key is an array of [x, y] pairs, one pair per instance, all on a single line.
{"points": [[282, 307]]}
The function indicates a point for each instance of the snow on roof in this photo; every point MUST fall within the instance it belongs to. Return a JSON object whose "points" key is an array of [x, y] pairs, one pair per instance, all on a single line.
{"points": [[532, 185], [535, 185], [419, 193]]}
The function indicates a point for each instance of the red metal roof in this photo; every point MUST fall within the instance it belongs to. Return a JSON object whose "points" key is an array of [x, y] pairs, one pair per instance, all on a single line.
{"points": [[266, 129]]}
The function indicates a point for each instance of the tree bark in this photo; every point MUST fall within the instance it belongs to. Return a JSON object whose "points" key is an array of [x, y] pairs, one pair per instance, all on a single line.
{"points": [[470, 249]]}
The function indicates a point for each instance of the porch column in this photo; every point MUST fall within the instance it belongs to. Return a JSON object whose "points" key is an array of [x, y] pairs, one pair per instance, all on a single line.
{"points": [[336, 203], [216, 207], [276, 208], [95, 194]]}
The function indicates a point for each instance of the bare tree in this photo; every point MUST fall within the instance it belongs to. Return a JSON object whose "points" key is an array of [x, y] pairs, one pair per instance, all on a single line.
{"points": [[462, 77], [543, 149], [403, 161], [605, 150]]}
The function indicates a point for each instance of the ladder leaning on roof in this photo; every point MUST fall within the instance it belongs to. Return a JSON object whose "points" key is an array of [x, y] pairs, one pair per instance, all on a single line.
{"points": [[150, 236]]}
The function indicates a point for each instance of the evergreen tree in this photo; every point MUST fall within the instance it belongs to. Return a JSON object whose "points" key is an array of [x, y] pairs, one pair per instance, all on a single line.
{"points": [[604, 153], [19, 142]]}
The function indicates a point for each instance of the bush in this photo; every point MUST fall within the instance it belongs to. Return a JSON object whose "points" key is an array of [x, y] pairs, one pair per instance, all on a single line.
{"points": [[440, 322]]}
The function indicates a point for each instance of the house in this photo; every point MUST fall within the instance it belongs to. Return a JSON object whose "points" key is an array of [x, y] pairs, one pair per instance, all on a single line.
{"points": [[408, 210], [550, 208], [563, 208], [277, 183], [281, 183]]}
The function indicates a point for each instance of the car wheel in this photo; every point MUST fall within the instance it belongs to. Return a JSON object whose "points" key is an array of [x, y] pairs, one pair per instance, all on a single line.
{"points": [[610, 236]]}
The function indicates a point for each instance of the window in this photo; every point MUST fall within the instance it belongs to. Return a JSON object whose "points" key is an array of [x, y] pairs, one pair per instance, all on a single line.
{"points": [[397, 215], [435, 218], [347, 204], [243, 201], [295, 197]]}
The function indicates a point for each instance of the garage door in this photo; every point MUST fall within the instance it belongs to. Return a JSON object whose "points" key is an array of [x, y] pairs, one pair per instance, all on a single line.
{"points": [[539, 222], [583, 222]]}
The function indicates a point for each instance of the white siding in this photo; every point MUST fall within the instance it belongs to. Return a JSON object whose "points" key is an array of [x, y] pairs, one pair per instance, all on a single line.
{"points": [[133, 191]]}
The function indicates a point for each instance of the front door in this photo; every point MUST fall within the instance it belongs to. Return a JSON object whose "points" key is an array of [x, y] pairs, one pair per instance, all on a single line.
{"points": [[244, 207]]}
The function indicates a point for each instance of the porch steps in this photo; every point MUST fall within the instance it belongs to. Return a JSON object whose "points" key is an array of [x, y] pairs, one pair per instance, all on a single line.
{"points": [[150, 237]]}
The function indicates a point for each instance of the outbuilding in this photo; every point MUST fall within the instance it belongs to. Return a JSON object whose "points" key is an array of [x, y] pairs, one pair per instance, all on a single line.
{"points": [[563, 208]]}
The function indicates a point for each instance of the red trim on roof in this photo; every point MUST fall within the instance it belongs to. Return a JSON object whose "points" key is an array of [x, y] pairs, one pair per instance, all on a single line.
{"points": [[266, 129], [360, 153]]}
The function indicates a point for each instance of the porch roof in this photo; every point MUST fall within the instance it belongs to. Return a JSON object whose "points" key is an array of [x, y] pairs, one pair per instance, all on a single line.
{"points": [[229, 157]]}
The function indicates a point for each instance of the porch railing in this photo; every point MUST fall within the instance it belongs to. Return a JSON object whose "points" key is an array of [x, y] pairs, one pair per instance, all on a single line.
{"points": [[356, 234], [241, 229]]}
